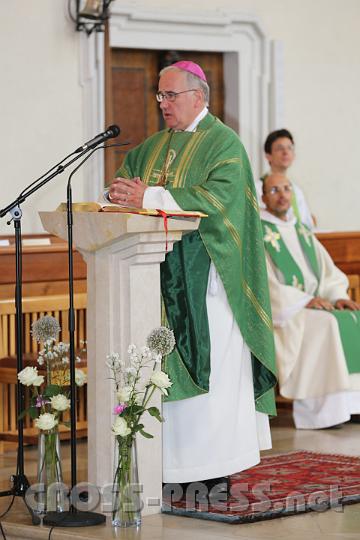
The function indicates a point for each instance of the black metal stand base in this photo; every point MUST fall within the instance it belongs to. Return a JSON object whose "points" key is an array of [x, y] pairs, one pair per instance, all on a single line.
{"points": [[73, 519], [20, 485]]}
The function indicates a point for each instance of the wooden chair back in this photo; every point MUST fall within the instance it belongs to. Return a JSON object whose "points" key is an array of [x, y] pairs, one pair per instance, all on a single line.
{"points": [[34, 307], [354, 287]]}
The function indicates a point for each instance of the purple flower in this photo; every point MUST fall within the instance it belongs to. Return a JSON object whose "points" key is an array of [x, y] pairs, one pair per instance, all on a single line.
{"points": [[119, 408], [40, 401]]}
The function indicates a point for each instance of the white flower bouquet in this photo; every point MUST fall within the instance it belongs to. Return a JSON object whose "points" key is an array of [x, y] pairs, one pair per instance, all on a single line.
{"points": [[50, 393], [135, 384], [49, 400]]}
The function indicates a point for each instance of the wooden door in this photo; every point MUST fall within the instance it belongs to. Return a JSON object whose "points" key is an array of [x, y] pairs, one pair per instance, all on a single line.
{"points": [[131, 84]]}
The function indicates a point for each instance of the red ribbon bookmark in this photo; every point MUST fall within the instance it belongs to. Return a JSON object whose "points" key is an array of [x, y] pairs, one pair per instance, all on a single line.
{"points": [[165, 216]]}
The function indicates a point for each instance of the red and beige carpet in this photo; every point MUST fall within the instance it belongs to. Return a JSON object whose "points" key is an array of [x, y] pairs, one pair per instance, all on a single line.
{"points": [[281, 485]]}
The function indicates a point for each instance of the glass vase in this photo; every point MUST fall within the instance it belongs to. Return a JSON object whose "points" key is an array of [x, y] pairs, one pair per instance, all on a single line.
{"points": [[126, 511], [51, 496]]}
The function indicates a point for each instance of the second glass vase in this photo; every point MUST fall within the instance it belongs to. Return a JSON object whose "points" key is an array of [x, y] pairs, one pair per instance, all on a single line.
{"points": [[50, 494], [126, 490]]}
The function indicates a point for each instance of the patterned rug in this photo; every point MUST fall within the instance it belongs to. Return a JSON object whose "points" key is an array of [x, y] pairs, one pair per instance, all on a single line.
{"points": [[281, 485]]}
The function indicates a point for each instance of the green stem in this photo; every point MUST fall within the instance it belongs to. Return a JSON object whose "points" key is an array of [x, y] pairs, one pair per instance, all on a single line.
{"points": [[51, 464], [124, 505]]}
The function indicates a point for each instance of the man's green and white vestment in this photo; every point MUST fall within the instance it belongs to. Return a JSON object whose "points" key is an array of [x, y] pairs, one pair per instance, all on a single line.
{"points": [[309, 347], [208, 170]]}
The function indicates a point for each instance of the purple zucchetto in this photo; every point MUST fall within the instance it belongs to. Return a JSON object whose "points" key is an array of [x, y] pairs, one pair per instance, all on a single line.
{"points": [[191, 67]]}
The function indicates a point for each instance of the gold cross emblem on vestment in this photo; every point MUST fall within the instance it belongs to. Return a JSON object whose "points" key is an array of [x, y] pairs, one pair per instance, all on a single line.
{"points": [[163, 176]]}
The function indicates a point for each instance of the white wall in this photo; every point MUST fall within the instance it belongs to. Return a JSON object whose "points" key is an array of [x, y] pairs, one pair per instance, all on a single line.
{"points": [[41, 98], [40, 103]]}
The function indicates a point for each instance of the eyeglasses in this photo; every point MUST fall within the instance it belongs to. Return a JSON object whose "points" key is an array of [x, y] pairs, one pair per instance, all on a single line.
{"points": [[277, 189], [281, 148], [171, 96]]}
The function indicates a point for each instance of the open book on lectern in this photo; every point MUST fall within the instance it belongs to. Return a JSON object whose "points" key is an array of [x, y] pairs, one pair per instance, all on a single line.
{"points": [[117, 208]]}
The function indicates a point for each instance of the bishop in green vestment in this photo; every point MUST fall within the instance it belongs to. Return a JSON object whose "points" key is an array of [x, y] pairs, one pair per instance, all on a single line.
{"points": [[316, 324], [214, 284]]}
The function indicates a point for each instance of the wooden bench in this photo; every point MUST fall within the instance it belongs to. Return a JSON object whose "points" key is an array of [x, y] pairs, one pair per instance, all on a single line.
{"points": [[44, 267], [34, 308], [354, 287]]}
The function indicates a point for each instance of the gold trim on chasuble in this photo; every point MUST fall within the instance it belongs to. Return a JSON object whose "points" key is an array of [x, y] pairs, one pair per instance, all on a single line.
{"points": [[252, 198], [259, 309], [237, 239], [177, 178], [187, 157], [148, 173]]}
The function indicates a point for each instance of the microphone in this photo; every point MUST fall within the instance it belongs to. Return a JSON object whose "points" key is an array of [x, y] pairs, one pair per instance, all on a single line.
{"points": [[112, 131]]}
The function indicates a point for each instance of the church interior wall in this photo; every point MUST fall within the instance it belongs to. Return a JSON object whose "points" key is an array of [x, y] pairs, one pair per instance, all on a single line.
{"points": [[41, 98], [41, 104]]}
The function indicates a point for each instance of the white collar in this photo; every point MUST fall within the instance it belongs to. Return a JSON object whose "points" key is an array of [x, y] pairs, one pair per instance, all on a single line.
{"points": [[266, 216], [195, 122]]}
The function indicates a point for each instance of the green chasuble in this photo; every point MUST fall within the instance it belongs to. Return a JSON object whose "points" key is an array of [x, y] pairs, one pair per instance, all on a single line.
{"points": [[208, 171], [348, 321]]}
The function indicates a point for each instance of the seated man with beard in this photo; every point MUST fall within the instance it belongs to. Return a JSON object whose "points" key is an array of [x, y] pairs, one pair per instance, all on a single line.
{"points": [[317, 326]]}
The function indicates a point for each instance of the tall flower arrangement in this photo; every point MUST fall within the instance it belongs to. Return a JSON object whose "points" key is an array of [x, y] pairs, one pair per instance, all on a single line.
{"points": [[135, 384], [49, 400]]}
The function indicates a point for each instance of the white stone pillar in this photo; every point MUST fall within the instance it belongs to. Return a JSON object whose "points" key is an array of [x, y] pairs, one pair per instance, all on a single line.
{"points": [[123, 254]]}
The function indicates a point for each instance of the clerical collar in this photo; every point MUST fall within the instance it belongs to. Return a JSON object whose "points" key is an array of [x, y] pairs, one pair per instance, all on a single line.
{"points": [[266, 216], [195, 122]]}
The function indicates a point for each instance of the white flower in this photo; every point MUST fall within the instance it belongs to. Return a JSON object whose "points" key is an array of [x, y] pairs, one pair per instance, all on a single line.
{"points": [[146, 353], [131, 371], [113, 361], [62, 347], [46, 421], [40, 360], [132, 349], [161, 340], [29, 377], [45, 329], [124, 394], [157, 358], [120, 427], [80, 377], [161, 380], [60, 402], [135, 359]]}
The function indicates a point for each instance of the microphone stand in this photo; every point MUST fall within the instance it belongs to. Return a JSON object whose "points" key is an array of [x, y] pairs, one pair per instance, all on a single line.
{"points": [[19, 481], [73, 517]]}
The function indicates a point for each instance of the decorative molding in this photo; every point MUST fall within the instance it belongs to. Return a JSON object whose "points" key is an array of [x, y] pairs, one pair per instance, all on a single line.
{"points": [[277, 86], [92, 80]]}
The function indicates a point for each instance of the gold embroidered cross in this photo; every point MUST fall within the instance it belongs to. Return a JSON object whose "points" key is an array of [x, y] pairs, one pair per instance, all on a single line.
{"points": [[162, 177]]}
